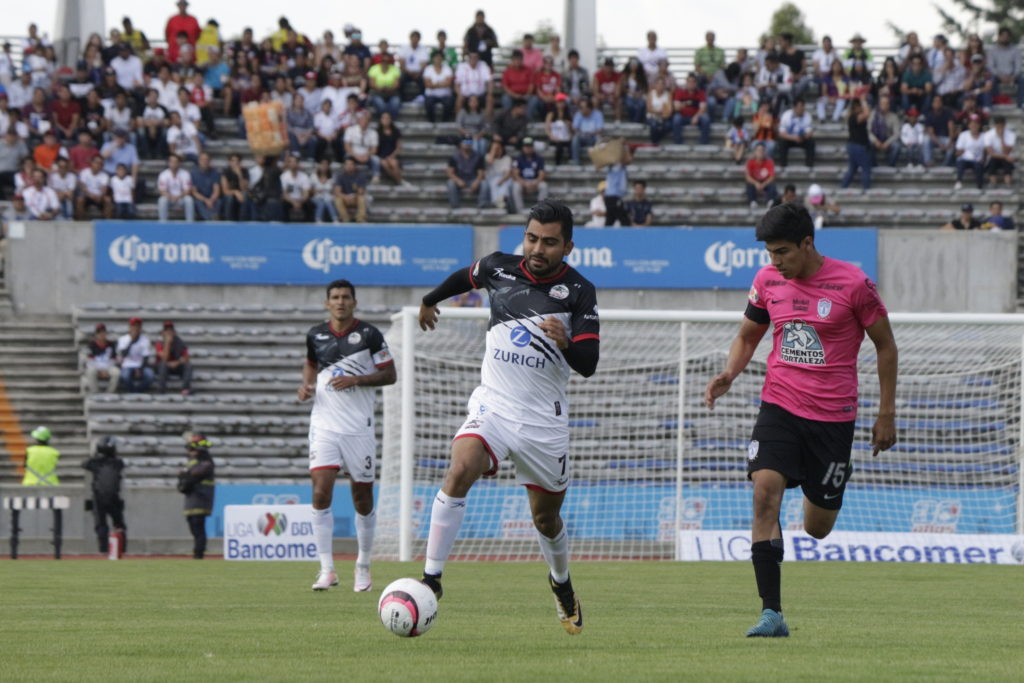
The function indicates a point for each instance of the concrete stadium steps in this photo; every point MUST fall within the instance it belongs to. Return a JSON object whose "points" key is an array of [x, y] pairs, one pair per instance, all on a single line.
{"points": [[40, 372]]}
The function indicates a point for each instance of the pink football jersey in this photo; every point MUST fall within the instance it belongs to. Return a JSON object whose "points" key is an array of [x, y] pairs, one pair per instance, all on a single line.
{"points": [[818, 325]]}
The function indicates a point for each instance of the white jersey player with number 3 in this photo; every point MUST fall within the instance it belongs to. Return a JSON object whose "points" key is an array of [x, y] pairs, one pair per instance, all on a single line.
{"points": [[346, 359]]}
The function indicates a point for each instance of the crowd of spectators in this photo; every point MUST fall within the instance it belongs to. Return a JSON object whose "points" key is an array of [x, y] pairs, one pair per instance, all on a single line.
{"points": [[73, 138]]}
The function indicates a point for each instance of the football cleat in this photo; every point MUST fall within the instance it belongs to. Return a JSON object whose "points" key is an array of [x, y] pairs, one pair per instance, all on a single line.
{"points": [[570, 613], [433, 582], [361, 579], [771, 625], [325, 579]]}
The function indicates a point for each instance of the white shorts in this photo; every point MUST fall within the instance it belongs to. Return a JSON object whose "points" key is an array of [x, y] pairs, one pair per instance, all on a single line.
{"points": [[540, 454], [353, 453]]}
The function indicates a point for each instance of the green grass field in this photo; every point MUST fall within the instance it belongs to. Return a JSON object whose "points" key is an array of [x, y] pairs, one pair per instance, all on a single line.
{"points": [[174, 620]]}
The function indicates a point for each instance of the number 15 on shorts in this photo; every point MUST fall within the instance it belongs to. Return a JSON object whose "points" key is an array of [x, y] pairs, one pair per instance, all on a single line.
{"points": [[837, 473]]}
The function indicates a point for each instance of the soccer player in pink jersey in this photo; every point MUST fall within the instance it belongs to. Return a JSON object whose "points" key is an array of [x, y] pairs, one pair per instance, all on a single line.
{"points": [[819, 309]]}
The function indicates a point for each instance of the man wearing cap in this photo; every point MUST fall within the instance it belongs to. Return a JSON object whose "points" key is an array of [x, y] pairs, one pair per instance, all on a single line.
{"points": [[466, 176], [41, 460], [172, 359], [858, 53], [547, 85], [106, 470], [196, 481], [965, 221], [128, 68], [133, 355], [100, 362], [528, 177], [357, 48], [181, 22]]}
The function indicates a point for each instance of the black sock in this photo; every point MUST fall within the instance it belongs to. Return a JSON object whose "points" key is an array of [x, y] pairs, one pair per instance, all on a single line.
{"points": [[767, 558]]}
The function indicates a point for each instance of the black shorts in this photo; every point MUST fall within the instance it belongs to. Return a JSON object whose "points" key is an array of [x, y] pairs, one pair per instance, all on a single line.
{"points": [[812, 454]]}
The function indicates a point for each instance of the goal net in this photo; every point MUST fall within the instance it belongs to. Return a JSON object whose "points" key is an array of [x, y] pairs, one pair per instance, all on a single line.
{"points": [[650, 460]]}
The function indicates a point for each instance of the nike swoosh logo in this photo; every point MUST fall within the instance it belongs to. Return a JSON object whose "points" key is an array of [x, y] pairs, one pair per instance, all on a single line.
{"points": [[835, 495], [777, 301]]}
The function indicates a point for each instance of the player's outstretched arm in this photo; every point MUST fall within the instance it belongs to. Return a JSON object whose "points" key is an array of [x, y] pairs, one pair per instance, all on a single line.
{"points": [[457, 283], [740, 353], [883, 433]]}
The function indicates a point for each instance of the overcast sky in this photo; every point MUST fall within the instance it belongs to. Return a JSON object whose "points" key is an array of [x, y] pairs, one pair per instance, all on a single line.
{"points": [[620, 24]]}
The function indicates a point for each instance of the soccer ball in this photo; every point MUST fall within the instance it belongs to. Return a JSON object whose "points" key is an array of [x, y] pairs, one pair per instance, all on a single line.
{"points": [[407, 608]]}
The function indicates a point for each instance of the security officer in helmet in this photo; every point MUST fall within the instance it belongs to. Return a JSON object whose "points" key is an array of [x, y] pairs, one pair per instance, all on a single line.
{"points": [[41, 460], [195, 480], [106, 470]]}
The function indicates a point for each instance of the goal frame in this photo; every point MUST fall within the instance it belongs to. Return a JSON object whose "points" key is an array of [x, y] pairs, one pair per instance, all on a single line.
{"points": [[408, 319]]}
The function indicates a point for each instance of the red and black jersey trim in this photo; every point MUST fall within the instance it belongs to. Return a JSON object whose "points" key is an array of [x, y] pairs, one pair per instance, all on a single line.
{"points": [[557, 276]]}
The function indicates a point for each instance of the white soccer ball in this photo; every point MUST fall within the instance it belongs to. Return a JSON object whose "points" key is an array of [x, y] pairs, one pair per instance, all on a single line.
{"points": [[407, 608]]}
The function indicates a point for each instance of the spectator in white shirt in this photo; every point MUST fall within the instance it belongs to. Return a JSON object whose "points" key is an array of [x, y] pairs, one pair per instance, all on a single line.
{"points": [[361, 144], [437, 82], [796, 129], [93, 190], [134, 354], [912, 138], [774, 82], [326, 127], [119, 116], [473, 77], [189, 112], [413, 59], [175, 186], [152, 124], [64, 182], [19, 93], [122, 189], [295, 191], [128, 68], [822, 59], [650, 56], [40, 200], [999, 146], [970, 153], [183, 138]]}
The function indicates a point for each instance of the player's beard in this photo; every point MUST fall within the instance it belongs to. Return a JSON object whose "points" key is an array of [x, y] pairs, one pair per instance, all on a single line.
{"points": [[540, 270]]}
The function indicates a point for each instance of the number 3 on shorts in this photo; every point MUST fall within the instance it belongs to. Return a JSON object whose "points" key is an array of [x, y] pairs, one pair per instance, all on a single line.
{"points": [[837, 472]]}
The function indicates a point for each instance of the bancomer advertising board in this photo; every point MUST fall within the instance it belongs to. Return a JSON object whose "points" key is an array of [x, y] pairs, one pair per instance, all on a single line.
{"points": [[269, 532], [691, 258], [278, 254]]}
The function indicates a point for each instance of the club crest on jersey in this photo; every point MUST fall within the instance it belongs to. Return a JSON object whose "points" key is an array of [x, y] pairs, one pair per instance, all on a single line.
{"points": [[801, 344], [752, 450], [753, 295], [559, 292], [824, 308], [520, 336], [355, 338]]}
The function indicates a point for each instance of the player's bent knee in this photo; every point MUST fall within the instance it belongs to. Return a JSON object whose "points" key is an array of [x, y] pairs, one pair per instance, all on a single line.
{"points": [[818, 531], [547, 524]]}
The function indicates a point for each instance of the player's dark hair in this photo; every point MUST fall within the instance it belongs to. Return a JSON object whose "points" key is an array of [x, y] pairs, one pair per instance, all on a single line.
{"points": [[785, 223], [341, 284], [550, 211]]}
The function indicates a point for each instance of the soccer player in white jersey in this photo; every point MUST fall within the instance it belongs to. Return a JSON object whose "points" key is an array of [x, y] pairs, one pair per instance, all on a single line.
{"points": [[544, 324], [345, 360]]}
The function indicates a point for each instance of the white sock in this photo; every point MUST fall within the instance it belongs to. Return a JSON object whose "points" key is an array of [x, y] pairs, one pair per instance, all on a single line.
{"points": [[556, 552], [323, 529], [365, 526], [445, 519]]}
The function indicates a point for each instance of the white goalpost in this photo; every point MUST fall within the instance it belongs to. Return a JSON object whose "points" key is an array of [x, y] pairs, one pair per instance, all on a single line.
{"points": [[652, 467]]}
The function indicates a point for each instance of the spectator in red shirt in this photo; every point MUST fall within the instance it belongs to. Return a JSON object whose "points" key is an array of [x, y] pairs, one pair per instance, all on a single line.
{"points": [[691, 108], [182, 21], [606, 88], [516, 81], [532, 57], [67, 114], [547, 84], [81, 154], [761, 177]]}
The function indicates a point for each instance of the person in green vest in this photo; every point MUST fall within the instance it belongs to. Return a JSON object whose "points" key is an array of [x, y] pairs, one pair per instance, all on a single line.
{"points": [[195, 480], [41, 460]]}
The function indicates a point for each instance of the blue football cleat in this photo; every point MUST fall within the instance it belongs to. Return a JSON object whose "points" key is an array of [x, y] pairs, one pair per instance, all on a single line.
{"points": [[771, 625]]}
